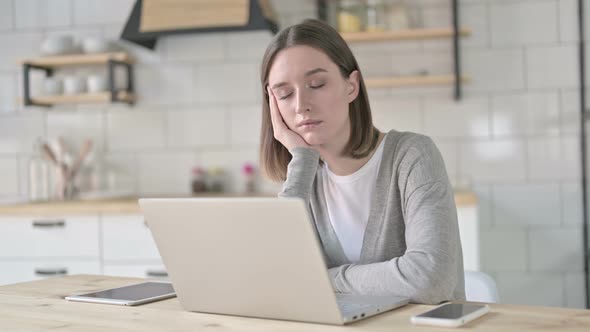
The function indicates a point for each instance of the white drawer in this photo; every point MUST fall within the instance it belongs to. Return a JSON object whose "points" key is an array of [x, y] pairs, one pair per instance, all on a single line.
{"points": [[157, 271], [49, 237], [27, 270], [127, 237]]}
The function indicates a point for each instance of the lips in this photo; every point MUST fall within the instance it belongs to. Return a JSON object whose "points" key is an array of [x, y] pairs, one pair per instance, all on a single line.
{"points": [[309, 123]]}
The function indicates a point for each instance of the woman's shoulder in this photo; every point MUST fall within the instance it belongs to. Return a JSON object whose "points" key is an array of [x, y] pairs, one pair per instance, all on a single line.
{"points": [[404, 142], [408, 151]]}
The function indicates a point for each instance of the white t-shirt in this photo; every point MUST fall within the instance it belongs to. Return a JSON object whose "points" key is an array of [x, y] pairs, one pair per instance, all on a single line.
{"points": [[348, 199]]}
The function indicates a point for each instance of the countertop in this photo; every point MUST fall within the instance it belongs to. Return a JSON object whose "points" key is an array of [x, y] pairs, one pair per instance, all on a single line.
{"points": [[39, 306], [129, 205]]}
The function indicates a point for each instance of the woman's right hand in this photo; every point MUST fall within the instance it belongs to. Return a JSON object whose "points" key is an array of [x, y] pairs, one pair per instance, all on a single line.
{"points": [[282, 133]]}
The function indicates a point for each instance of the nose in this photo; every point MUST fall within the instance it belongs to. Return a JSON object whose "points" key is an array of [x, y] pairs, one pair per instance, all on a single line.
{"points": [[302, 101]]}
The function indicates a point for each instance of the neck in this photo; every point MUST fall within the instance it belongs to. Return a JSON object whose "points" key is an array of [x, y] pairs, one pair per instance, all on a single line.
{"points": [[344, 165]]}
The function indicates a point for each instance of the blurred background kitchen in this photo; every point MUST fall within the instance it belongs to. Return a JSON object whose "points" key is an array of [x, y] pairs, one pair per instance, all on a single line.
{"points": [[186, 120]]}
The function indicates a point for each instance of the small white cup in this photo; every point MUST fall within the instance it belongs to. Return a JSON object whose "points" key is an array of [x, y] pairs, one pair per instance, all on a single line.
{"points": [[96, 83], [74, 85], [95, 45], [56, 45], [52, 86]]}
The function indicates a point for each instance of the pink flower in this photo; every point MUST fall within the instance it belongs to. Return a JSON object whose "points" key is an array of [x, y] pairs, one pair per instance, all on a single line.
{"points": [[248, 169]]}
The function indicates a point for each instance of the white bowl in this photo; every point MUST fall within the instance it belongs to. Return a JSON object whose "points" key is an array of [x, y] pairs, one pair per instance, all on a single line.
{"points": [[74, 85], [57, 45], [52, 86], [96, 83], [95, 45]]}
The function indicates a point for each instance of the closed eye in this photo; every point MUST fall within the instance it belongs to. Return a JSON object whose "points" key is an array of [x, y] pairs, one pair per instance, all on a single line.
{"points": [[317, 86], [285, 96]]}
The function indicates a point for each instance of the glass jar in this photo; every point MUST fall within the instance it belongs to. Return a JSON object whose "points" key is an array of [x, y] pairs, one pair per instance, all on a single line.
{"points": [[415, 16], [216, 180], [376, 15], [397, 15], [39, 179], [198, 184], [248, 172], [350, 16]]}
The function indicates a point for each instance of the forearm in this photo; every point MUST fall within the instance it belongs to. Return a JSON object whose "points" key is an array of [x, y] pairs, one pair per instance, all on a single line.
{"points": [[301, 173], [418, 276]]}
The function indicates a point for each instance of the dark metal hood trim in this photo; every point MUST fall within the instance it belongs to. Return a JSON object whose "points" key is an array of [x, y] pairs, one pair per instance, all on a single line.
{"points": [[131, 32]]}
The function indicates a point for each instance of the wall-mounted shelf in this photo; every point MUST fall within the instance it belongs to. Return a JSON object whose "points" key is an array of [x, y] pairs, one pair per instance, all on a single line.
{"points": [[49, 63], [86, 98], [454, 32], [409, 81], [409, 34], [79, 59]]}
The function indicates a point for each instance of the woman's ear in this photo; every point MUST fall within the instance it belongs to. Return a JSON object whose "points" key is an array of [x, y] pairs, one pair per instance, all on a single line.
{"points": [[353, 86]]}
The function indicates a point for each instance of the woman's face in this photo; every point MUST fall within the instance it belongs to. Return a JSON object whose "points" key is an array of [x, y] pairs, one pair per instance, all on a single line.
{"points": [[312, 95]]}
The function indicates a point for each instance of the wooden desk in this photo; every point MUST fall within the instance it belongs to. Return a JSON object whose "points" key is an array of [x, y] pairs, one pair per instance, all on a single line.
{"points": [[39, 306], [129, 205]]}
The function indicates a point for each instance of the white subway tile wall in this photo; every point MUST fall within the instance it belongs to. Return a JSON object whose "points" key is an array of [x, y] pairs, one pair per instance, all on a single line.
{"points": [[504, 249], [443, 117], [571, 203], [6, 15], [570, 112], [7, 92], [197, 128], [513, 25], [544, 257], [493, 70], [512, 138], [532, 288], [165, 172], [16, 45], [552, 66], [568, 20], [522, 205], [530, 114], [10, 184]]}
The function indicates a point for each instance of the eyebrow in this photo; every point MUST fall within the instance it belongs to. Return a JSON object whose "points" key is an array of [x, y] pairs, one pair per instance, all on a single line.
{"points": [[308, 73]]}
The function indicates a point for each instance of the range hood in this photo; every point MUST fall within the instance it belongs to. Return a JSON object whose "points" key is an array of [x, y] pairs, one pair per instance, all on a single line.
{"points": [[150, 19]]}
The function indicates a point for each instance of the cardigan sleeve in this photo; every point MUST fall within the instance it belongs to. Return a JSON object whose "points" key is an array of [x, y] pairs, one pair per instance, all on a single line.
{"points": [[427, 271], [301, 173]]}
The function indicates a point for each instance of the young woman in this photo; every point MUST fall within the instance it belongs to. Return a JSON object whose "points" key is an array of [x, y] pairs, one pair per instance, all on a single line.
{"points": [[382, 204]]}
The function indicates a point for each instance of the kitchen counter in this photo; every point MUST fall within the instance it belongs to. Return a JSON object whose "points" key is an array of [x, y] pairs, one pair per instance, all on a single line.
{"points": [[129, 206], [39, 306]]}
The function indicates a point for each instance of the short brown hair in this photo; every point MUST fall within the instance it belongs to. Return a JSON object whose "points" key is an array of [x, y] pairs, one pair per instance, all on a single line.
{"points": [[274, 157]]}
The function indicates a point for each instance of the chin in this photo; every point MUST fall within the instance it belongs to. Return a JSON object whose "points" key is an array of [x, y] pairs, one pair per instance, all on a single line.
{"points": [[313, 138]]}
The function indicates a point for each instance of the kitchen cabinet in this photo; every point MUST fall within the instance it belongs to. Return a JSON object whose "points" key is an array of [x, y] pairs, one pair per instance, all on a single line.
{"points": [[39, 247], [127, 238], [33, 247], [110, 237], [13, 271], [141, 270], [36, 237], [129, 249]]}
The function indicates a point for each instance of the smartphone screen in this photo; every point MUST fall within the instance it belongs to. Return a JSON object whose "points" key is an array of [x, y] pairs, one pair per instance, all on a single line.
{"points": [[134, 292], [451, 311]]}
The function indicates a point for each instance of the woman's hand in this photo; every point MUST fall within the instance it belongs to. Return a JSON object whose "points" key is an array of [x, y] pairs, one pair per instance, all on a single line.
{"points": [[282, 133]]}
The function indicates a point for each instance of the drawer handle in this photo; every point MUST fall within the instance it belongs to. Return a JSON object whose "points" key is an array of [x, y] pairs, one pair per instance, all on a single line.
{"points": [[49, 223], [51, 271], [156, 273]]}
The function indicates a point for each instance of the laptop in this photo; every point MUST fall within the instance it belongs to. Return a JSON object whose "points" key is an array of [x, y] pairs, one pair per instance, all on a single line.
{"points": [[253, 257]]}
